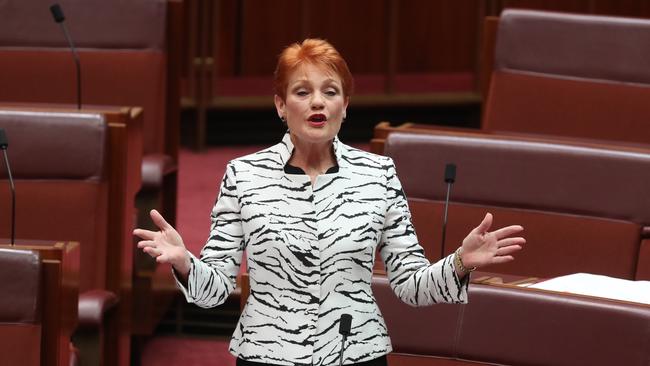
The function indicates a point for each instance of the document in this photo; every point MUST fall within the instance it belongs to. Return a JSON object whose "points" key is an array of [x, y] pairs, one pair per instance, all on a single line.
{"points": [[599, 286]]}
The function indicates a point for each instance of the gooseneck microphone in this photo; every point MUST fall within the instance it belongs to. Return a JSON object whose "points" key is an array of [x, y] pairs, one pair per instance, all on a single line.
{"points": [[344, 329], [57, 14], [4, 144], [450, 178]]}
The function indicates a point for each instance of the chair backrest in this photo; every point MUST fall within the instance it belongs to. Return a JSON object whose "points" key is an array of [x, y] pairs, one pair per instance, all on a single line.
{"points": [[20, 306], [122, 52], [584, 206], [59, 164], [571, 75], [533, 327]]}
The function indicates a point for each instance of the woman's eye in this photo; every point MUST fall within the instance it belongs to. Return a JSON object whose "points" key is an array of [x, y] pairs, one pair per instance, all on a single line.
{"points": [[302, 93], [331, 93]]}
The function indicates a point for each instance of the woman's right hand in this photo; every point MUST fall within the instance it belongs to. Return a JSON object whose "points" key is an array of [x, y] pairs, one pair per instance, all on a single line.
{"points": [[166, 245]]}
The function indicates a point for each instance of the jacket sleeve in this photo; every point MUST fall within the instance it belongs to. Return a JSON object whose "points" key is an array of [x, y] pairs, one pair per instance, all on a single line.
{"points": [[413, 279], [213, 276]]}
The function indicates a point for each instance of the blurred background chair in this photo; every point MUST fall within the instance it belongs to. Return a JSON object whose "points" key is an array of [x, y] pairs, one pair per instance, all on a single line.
{"points": [[38, 308], [573, 75], [20, 308], [129, 54], [77, 174], [535, 327], [547, 186]]}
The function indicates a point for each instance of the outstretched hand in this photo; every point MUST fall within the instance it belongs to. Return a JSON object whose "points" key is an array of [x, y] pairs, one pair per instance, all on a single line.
{"points": [[166, 245], [483, 247]]}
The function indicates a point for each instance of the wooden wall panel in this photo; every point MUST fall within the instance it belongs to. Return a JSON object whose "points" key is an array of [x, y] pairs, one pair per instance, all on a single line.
{"points": [[224, 36], [358, 29], [437, 36], [266, 28]]}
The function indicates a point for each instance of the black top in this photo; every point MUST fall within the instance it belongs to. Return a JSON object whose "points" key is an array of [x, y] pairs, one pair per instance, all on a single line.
{"points": [[290, 169]]}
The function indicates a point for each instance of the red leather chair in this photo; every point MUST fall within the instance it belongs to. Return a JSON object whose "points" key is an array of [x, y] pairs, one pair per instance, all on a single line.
{"points": [[129, 55], [508, 325], [20, 308], [570, 75], [76, 176], [583, 205]]}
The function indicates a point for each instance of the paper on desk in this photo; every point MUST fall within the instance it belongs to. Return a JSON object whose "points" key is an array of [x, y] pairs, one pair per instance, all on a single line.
{"points": [[599, 286]]}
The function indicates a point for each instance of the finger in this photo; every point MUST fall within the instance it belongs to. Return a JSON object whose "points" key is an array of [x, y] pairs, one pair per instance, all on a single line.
{"points": [[502, 259], [146, 243], [510, 241], [508, 250], [163, 258], [151, 251], [485, 225], [507, 231], [145, 234], [159, 220]]}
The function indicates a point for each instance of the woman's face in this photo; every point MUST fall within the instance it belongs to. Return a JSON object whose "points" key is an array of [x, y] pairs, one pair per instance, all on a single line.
{"points": [[314, 106]]}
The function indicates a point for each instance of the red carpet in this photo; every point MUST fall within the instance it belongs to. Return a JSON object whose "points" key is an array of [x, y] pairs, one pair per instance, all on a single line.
{"points": [[174, 351]]}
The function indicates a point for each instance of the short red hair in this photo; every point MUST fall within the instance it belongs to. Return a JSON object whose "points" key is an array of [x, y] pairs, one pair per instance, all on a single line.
{"points": [[317, 52]]}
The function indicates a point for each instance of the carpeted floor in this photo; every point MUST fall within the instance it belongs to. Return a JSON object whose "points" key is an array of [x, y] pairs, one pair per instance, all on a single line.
{"points": [[177, 351]]}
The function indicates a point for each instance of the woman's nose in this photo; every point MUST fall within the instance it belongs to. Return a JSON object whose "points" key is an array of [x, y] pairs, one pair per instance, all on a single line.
{"points": [[317, 101]]}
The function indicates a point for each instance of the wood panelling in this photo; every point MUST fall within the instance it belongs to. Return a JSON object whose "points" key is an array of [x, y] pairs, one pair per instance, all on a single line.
{"points": [[358, 29], [266, 28], [437, 36]]}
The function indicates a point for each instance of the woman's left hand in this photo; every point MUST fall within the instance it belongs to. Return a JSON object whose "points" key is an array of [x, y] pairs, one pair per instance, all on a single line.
{"points": [[483, 247]]}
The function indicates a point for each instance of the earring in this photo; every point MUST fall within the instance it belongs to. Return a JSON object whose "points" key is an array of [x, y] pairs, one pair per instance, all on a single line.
{"points": [[284, 120]]}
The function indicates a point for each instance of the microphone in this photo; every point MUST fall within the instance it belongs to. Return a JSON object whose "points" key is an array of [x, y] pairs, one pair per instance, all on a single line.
{"points": [[4, 144], [57, 14], [344, 329], [450, 178]]}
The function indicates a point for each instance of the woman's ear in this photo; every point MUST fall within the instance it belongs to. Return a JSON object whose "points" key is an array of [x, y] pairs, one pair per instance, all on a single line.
{"points": [[279, 106]]}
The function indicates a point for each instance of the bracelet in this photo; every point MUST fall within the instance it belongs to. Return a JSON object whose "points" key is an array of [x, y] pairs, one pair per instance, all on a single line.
{"points": [[458, 262]]}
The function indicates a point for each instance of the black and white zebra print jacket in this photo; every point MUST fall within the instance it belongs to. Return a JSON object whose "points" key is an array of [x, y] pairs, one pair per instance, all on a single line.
{"points": [[310, 252]]}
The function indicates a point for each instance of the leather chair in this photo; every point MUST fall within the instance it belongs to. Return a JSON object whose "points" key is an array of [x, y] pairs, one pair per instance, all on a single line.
{"points": [[20, 308], [74, 183], [583, 205], [570, 75], [129, 54], [509, 325]]}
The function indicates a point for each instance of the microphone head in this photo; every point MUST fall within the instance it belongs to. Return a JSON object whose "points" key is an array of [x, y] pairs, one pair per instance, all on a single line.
{"points": [[450, 173], [345, 324], [3, 139], [57, 13]]}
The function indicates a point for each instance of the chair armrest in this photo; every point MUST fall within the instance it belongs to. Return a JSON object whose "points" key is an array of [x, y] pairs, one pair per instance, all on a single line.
{"points": [[154, 168], [93, 305]]}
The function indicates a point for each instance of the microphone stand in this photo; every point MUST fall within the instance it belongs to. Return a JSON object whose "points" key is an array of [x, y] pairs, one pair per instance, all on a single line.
{"points": [[450, 178], [57, 13], [4, 146], [345, 337]]}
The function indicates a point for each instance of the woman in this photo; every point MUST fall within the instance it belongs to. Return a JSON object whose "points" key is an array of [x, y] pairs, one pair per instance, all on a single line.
{"points": [[311, 212]]}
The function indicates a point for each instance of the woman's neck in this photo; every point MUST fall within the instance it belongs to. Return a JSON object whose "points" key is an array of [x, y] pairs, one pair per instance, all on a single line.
{"points": [[313, 159]]}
